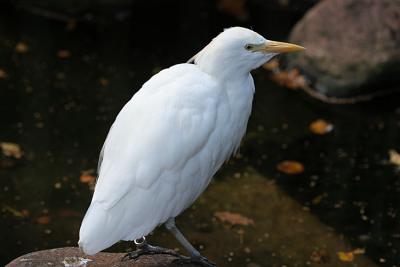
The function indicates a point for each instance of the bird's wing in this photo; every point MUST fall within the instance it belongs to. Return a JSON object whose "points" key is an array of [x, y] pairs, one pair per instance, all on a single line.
{"points": [[163, 126]]}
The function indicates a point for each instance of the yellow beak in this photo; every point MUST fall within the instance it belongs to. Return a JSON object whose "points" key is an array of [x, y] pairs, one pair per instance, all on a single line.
{"points": [[278, 47]]}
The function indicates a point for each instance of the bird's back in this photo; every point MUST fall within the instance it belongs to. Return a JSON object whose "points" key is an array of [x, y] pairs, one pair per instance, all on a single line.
{"points": [[160, 154]]}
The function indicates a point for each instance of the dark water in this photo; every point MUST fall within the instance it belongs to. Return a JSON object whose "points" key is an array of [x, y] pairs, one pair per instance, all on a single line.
{"points": [[59, 111]]}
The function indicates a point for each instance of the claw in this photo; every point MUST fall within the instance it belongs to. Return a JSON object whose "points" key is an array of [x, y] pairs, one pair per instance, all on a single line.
{"points": [[146, 249]]}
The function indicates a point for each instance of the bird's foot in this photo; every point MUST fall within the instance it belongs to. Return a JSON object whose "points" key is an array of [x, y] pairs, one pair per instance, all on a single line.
{"points": [[197, 260], [147, 249]]}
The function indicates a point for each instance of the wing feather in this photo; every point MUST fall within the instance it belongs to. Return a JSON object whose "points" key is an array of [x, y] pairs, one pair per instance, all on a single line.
{"points": [[159, 129]]}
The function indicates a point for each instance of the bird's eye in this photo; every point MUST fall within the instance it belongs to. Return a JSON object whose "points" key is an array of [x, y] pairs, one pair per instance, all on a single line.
{"points": [[248, 47]]}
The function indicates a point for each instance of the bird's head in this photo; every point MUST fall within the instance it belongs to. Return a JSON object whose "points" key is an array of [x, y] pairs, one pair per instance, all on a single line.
{"points": [[237, 51]]}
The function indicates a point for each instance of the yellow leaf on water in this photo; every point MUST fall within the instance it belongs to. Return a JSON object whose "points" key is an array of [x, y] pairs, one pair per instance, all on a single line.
{"points": [[394, 157], [290, 167], [321, 127], [346, 256], [233, 218]]}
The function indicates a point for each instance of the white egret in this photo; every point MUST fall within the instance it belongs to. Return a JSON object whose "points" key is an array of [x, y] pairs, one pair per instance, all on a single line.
{"points": [[171, 138]]}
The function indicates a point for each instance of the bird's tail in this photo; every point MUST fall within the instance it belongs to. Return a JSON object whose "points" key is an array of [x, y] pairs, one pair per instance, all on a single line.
{"points": [[99, 230]]}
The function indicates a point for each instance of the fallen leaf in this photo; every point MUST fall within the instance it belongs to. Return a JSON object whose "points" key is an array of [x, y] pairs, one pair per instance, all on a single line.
{"points": [[11, 150], [21, 214], [45, 219], [233, 218], [359, 251], [3, 74], [87, 178], [346, 256], [291, 79], [321, 127], [290, 167], [394, 157], [64, 54], [21, 48]]}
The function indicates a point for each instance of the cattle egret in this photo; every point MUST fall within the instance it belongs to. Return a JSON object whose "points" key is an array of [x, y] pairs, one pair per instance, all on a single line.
{"points": [[170, 139]]}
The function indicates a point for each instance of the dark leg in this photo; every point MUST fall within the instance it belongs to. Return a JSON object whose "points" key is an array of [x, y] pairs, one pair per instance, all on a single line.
{"points": [[195, 256], [143, 248]]}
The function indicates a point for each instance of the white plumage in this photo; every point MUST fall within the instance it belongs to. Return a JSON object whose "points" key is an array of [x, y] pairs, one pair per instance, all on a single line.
{"points": [[172, 136]]}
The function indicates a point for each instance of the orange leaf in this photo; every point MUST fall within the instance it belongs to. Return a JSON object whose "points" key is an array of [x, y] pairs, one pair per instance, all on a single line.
{"points": [[346, 256], [87, 178], [320, 127], [233, 218], [290, 167]]}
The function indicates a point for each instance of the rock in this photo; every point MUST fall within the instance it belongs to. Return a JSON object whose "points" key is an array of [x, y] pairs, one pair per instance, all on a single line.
{"points": [[353, 46], [71, 256]]}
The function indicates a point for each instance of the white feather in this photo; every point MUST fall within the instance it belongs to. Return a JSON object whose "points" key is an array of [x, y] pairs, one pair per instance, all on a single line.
{"points": [[168, 141]]}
